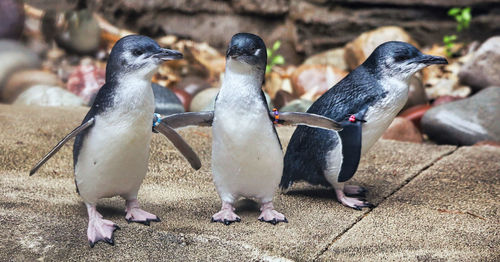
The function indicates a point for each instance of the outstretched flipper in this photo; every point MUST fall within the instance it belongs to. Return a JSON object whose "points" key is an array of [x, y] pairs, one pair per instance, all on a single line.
{"points": [[54, 150], [163, 127], [308, 119], [189, 119]]}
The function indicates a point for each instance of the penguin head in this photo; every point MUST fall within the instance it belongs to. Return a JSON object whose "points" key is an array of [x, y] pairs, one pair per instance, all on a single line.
{"points": [[400, 60], [247, 51], [138, 55]]}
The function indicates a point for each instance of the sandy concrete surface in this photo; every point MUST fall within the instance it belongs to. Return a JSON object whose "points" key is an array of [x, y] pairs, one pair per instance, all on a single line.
{"points": [[432, 203]]}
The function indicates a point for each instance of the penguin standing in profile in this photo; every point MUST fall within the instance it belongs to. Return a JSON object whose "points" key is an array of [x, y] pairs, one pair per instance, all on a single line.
{"points": [[365, 102], [111, 149], [247, 159]]}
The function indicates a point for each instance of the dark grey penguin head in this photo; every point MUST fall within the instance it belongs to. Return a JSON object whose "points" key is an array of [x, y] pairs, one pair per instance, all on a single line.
{"points": [[138, 55], [399, 60], [247, 49]]}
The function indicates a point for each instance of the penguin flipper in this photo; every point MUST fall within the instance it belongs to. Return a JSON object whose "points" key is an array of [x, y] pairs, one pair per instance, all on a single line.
{"points": [[351, 136], [180, 144], [54, 150], [179, 120], [308, 119]]}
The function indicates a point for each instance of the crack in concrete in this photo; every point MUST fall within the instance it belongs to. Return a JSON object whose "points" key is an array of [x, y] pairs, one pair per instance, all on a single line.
{"points": [[405, 182]]}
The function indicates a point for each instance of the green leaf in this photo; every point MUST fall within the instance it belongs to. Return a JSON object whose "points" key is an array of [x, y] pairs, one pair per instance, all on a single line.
{"points": [[276, 45], [268, 69], [454, 11], [269, 52], [278, 60]]}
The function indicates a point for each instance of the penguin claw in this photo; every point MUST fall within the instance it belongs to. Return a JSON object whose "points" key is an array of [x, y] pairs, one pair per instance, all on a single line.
{"points": [[225, 216]]}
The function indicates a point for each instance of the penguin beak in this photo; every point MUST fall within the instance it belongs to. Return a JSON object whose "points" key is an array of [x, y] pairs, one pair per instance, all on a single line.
{"points": [[168, 54], [233, 52], [432, 60]]}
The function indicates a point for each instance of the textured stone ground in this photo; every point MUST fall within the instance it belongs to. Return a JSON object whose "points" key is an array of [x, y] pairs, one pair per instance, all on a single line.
{"points": [[432, 203]]}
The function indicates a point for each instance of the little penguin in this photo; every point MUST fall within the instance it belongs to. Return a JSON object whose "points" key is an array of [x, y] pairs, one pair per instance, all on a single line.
{"points": [[365, 102], [111, 149], [247, 158]]}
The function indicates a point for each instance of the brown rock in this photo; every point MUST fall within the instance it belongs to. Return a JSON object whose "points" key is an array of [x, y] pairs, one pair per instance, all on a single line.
{"points": [[282, 98], [402, 129], [184, 96], [360, 48], [415, 113], [273, 84], [315, 79], [22, 80], [445, 99], [333, 57]]}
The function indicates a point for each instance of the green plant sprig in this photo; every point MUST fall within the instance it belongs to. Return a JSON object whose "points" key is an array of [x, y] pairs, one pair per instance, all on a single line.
{"points": [[462, 17], [273, 58]]}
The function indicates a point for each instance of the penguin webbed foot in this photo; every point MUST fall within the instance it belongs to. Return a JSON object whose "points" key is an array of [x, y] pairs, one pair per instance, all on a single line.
{"points": [[226, 215], [101, 230], [137, 215], [352, 202], [353, 190], [270, 215]]}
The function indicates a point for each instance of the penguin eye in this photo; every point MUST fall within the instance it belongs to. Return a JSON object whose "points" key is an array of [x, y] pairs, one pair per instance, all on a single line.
{"points": [[137, 52], [400, 58]]}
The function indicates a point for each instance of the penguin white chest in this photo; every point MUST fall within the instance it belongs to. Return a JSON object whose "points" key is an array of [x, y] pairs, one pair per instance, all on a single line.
{"points": [[247, 160], [114, 156], [380, 115]]}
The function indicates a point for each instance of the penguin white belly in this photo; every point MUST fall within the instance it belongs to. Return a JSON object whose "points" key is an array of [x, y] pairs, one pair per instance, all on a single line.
{"points": [[247, 160], [113, 159], [380, 116]]}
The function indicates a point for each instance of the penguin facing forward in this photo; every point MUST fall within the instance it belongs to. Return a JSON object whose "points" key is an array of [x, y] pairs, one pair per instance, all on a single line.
{"points": [[365, 102], [247, 159], [111, 149]]}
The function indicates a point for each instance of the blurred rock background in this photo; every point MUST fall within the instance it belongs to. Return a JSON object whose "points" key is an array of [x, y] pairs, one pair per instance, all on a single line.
{"points": [[53, 53]]}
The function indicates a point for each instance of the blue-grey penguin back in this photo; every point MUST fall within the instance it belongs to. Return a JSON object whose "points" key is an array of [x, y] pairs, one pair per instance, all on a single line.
{"points": [[305, 157]]}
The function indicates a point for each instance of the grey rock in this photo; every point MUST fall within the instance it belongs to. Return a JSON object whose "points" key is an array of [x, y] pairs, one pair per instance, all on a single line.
{"points": [[203, 100], [483, 70], [13, 57], [466, 121], [41, 95], [166, 102], [297, 105]]}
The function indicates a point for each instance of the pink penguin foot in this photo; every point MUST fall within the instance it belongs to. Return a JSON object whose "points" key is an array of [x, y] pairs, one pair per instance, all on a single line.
{"points": [[353, 190], [135, 214], [226, 215], [99, 229], [270, 215], [351, 202]]}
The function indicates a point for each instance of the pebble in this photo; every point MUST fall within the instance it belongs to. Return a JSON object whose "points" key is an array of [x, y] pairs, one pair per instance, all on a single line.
{"points": [[184, 97], [282, 98], [402, 129], [166, 101], [483, 69], [22, 80], [466, 121], [14, 57], [41, 95]]}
